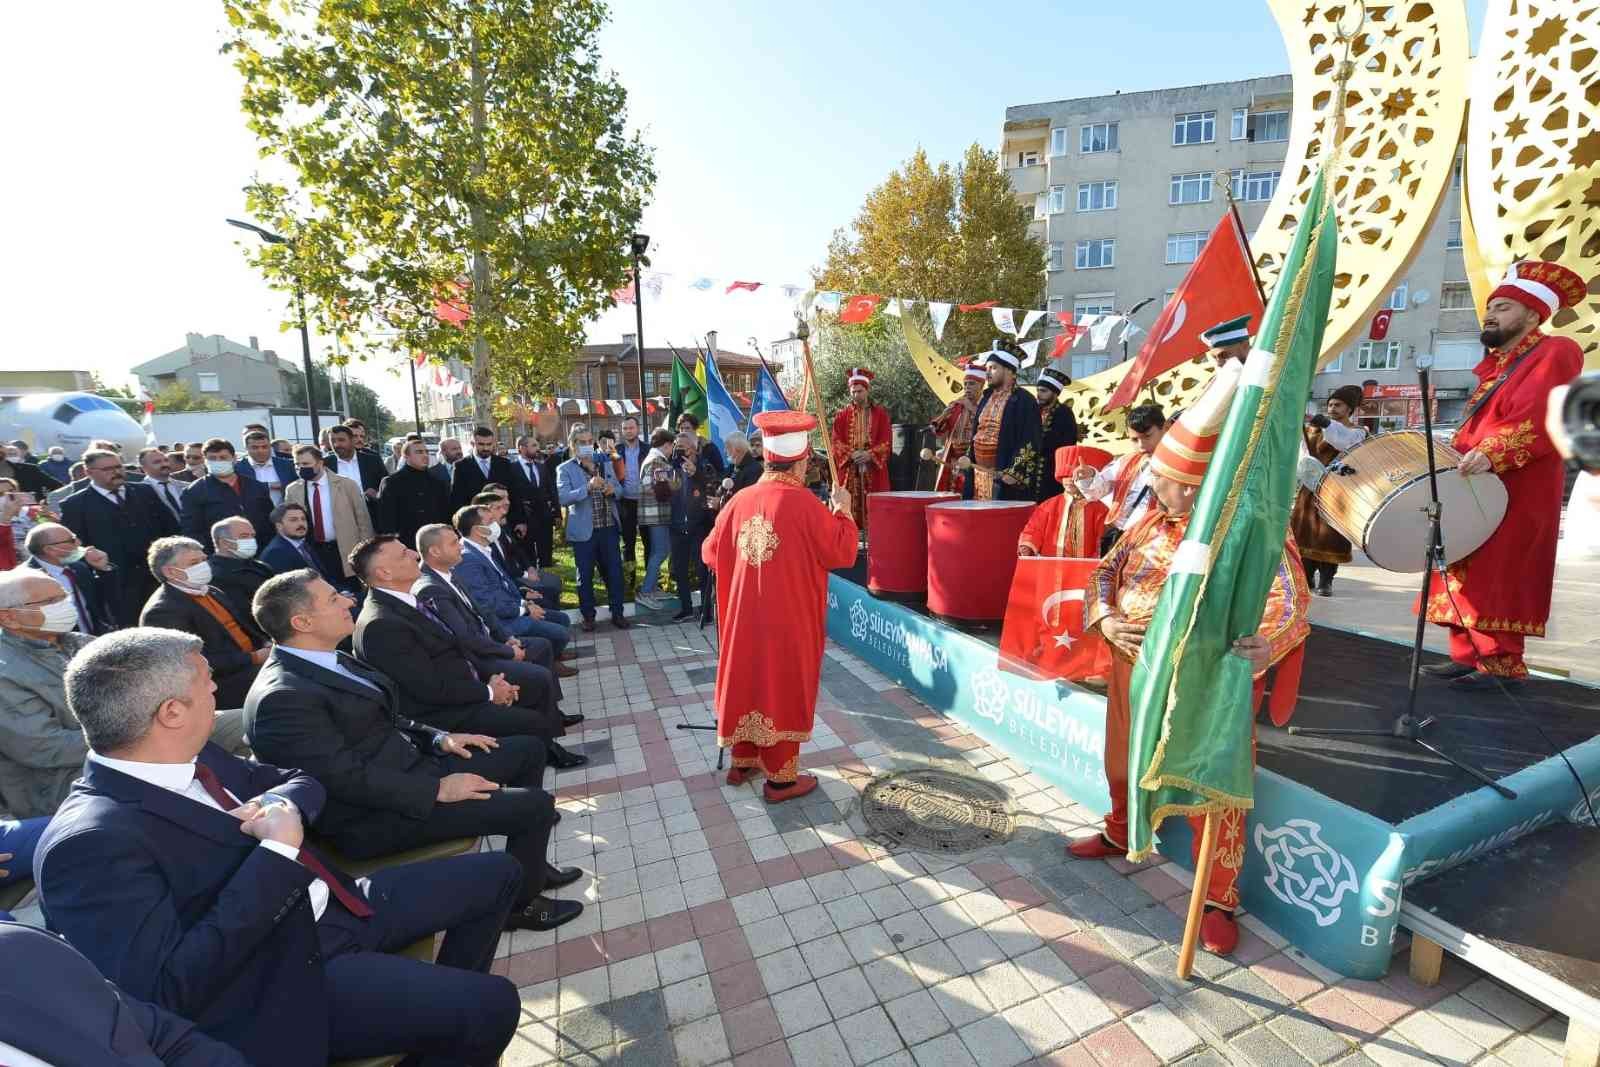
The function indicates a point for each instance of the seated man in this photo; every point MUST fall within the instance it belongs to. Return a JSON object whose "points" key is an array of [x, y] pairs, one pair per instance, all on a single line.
{"points": [[289, 550], [234, 568], [393, 783], [85, 573], [41, 747], [188, 601], [497, 592], [514, 559], [437, 683], [182, 874]]}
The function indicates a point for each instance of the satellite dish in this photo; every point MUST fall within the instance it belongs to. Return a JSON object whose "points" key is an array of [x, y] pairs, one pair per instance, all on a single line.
{"points": [[1420, 297], [1424, 360]]}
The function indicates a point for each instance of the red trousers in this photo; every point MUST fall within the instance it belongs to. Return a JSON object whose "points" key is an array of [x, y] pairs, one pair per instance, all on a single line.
{"points": [[780, 762], [1222, 888], [1495, 652]]}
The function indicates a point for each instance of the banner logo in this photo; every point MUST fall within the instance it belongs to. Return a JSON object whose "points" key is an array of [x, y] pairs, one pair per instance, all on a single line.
{"points": [[858, 621], [1304, 870], [990, 695]]}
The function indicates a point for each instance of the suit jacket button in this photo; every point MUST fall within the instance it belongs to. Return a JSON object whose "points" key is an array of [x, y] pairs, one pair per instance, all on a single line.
{"points": [[314, 958]]}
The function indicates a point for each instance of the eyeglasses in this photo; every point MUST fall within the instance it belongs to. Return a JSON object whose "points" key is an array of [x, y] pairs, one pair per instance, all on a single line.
{"points": [[52, 544]]}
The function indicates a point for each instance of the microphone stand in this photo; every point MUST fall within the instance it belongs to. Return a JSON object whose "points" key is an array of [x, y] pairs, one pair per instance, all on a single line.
{"points": [[1408, 727]]}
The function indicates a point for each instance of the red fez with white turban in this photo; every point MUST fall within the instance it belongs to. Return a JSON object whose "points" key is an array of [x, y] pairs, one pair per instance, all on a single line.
{"points": [[859, 374], [1070, 457], [972, 370], [785, 435], [1542, 287]]}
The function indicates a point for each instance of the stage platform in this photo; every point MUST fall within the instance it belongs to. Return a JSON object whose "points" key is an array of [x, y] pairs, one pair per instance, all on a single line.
{"points": [[1339, 827]]}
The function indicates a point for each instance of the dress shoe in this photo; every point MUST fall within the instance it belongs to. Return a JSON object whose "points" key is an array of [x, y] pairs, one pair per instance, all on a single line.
{"points": [[741, 775], [1094, 848], [588, 626], [1479, 682], [777, 794], [1323, 590], [571, 720], [1219, 933], [620, 622], [560, 877], [1448, 669], [562, 760], [564, 671], [568, 654], [542, 913]]}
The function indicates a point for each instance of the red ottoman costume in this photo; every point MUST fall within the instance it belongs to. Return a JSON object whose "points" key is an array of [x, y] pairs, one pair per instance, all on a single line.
{"points": [[862, 429]]}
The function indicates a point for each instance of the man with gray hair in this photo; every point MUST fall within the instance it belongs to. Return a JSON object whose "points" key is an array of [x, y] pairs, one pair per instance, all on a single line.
{"points": [[234, 567], [184, 874], [188, 601], [41, 747], [85, 573]]}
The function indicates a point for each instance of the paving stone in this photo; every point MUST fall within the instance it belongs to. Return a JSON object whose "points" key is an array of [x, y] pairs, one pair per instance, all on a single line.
{"points": [[1004, 984], [783, 970], [725, 948], [1212, 1058], [946, 1051], [917, 1018], [1552, 1034], [1060, 879], [633, 976], [827, 955], [1038, 1025], [933, 962], [1287, 977], [1127, 936], [886, 901], [1471, 1021], [687, 1001], [1264, 1048], [1511, 1008], [1338, 1013], [960, 1000], [870, 1036], [637, 1017], [792, 896], [1252, 993], [1161, 923], [992, 1041], [751, 1026], [849, 912], [584, 989], [1393, 1050], [1309, 1037], [846, 992], [1080, 1007], [680, 961], [1118, 1046], [701, 1043], [1215, 1009], [830, 885], [754, 906], [809, 923], [1376, 999], [1166, 1035], [800, 1009], [891, 977], [768, 935], [585, 1032], [946, 918], [975, 950], [736, 985], [1524, 1051], [1448, 1046], [867, 943]]}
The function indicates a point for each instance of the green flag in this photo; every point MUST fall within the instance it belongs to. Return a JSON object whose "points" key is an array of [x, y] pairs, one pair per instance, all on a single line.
{"points": [[1189, 729], [688, 395]]}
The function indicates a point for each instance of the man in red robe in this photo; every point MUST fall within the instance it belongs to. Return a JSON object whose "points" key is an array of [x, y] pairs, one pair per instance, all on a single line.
{"points": [[771, 549], [860, 443], [954, 426], [1499, 595], [1067, 524]]}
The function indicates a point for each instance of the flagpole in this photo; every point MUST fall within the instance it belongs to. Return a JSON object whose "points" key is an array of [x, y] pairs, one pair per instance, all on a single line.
{"points": [[1244, 234], [1197, 895], [802, 330]]}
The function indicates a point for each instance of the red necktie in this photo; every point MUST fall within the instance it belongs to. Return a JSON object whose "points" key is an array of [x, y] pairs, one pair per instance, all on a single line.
{"points": [[307, 858], [316, 513]]}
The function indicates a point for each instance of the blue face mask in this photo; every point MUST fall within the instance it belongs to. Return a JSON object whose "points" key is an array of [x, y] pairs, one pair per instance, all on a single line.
{"points": [[586, 451], [308, 474]]}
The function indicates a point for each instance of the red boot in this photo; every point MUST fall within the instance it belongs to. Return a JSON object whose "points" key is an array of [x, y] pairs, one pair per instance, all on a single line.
{"points": [[802, 785], [1219, 933], [1094, 848], [741, 775]]}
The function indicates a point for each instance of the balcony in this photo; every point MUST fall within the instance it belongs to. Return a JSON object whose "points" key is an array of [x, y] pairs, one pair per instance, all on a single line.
{"points": [[1026, 181]]}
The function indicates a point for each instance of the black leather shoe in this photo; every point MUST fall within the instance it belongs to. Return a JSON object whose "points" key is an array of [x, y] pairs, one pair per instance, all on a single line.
{"points": [[620, 622], [560, 877], [571, 720], [588, 626], [1447, 669], [542, 913], [562, 760]]}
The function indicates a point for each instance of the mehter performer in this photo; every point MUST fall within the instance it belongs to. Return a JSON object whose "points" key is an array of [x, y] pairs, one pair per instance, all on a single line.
{"points": [[1006, 459], [771, 549], [860, 443], [1327, 436], [954, 426], [1067, 524], [1498, 596], [1058, 427]]}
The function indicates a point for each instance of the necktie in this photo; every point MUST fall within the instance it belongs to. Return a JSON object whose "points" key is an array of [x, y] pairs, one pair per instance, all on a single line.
{"points": [[533, 476], [316, 513], [307, 858], [85, 620], [483, 464], [166, 491], [427, 612], [116, 498], [309, 558]]}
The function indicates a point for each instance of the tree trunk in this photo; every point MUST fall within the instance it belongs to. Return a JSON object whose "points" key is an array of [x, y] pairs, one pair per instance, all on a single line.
{"points": [[482, 390]]}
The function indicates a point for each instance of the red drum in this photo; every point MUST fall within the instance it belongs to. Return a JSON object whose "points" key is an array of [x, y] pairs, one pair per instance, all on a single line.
{"points": [[897, 549], [972, 552]]}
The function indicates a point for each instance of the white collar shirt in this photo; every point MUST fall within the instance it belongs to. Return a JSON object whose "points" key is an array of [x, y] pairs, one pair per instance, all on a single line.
{"points": [[350, 468], [325, 492], [267, 475], [115, 497]]}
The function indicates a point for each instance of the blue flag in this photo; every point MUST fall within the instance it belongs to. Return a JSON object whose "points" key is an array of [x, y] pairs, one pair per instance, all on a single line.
{"points": [[768, 397], [723, 413]]}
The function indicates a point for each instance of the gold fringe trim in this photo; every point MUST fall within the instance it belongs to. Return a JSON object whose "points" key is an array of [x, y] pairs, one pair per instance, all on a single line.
{"points": [[760, 731]]}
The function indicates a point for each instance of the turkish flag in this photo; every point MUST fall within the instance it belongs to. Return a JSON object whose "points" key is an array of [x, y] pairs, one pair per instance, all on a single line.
{"points": [[600, 408], [1043, 634], [977, 307], [419, 359], [750, 286], [1066, 338], [1380, 325], [1220, 286], [860, 308], [453, 306]]}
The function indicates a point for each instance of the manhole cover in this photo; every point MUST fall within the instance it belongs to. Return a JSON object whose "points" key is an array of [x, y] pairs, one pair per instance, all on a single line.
{"points": [[937, 811]]}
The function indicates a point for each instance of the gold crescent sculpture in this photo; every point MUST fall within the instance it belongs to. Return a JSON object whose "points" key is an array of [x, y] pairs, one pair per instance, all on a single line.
{"points": [[1532, 184]]}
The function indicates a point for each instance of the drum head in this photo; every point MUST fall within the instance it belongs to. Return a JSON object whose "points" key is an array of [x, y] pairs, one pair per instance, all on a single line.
{"points": [[981, 505], [1471, 510], [915, 494]]}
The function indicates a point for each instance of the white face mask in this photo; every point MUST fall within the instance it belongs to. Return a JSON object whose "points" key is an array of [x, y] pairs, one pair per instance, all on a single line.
{"points": [[219, 467], [245, 548], [198, 576], [494, 531], [74, 556], [59, 617]]}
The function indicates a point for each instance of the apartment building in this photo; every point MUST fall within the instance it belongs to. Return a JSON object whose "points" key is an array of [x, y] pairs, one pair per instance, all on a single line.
{"points": [[1125, 190]]}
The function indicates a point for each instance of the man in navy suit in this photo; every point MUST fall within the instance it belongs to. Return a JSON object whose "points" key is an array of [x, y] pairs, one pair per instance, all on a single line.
{"points": [[266, 466], [221, 493], [288, 550], [471, 473], [83, 572], [120, 518], [495, 591], [183, 874]]}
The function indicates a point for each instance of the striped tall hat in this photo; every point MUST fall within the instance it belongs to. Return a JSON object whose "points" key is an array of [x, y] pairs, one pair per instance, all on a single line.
{"points": [[1185, 451], [1544, 288]]}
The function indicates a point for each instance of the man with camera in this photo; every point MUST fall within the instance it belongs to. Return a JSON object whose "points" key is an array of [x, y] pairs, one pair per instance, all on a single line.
{"points": [[1495, 598]]}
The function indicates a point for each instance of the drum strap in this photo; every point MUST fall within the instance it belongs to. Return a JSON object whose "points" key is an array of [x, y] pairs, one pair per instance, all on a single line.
{"points": [[1495, 388]]}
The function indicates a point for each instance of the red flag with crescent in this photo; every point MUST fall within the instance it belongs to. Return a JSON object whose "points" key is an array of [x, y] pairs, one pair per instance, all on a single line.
{"points": [[1380, 325], [860, 308], [1043, 633], [1219, 286]]}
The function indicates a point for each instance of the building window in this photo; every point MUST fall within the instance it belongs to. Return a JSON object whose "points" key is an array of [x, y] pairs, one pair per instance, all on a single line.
{"points": [[1058, 199], [613, 384], [1099, 137], [1058, 141], [1398, 298], [1055, 304], [1058, 255], [657, 382], [208, 383], [1455, 296], [1378, 355], [1254, 186], [1241, 124], [1041, 206], [1097, 196], [1196, 127], [1029, 158], [1268, 126], [1335, 367], [1093, 304], [1452, 234], [1185, 247], [1455, 173], [1095, 253], [1083, 366], [1193, 188]]}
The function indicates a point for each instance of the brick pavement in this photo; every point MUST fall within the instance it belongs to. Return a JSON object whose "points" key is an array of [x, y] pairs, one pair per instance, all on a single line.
{"points": [[723, 931]]}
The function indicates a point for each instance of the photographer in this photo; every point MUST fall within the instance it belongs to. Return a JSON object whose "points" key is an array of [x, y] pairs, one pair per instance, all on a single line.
{"points": [[691, 517], [658, 481], [587, 487]]}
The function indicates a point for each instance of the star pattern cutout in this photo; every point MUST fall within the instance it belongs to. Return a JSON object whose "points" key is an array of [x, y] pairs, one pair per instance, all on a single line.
{"points": [[1517, 127], [1546, 35]]}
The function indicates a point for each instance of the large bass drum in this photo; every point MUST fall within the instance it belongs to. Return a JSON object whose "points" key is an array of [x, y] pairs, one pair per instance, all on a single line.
{"points": [[1377, 495]]}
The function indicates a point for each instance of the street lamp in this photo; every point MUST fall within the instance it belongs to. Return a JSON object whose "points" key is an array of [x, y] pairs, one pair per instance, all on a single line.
{"points": [[641, 245], [305, 335]]}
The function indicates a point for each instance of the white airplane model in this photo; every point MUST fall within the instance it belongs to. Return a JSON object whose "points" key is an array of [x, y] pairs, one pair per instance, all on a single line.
{"points": [[69, 421]]}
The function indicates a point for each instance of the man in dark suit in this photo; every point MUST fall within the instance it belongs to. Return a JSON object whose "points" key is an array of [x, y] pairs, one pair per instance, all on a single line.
{"points": [[184, 875], [288, 550], [471, 473], [496, 592], [157, 471], [536, 486], [234, 646], [67, 1013], [266, 466], [234, 567], [121, 519], [393, 783], [221, 493], [411, 497], [85, 573], [28, 476], [449, 452], [361, 466]]}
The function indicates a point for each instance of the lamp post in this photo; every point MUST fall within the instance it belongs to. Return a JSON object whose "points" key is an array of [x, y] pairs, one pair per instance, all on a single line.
{"points": [[641, 245], [1129, 316], [305, 334]]}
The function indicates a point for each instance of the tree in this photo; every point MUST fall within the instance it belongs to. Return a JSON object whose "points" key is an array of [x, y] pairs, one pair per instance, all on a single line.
{"points": [[469, 151], [955, 234], [364, 402], [179, 397], [878, 344]]}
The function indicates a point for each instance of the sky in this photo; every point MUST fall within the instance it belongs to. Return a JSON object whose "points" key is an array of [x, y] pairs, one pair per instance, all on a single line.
{"points": [[771, 123]]}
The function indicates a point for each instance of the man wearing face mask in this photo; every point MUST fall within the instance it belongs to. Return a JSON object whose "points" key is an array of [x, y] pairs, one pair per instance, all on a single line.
{"points": [[120, 518], [41, 747], [85, 573], [234, 567], [222, 493], [56, 466], [29, 478], [589, 490], [234, 646], [335, 507]]}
